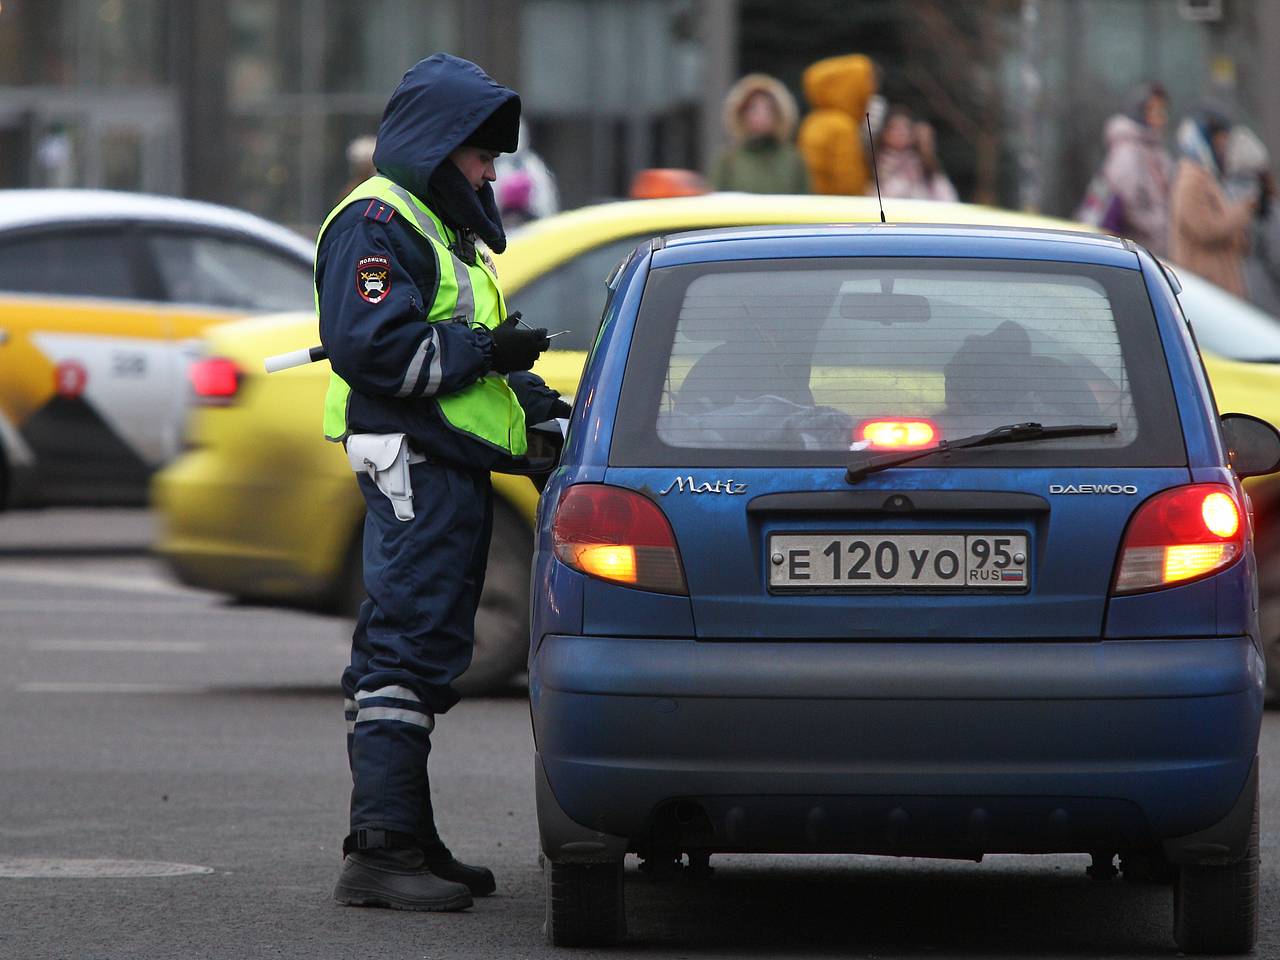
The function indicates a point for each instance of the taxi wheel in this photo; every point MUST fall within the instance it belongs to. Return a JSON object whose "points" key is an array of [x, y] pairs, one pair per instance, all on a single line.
{"points": [[502, 634], [1267, 550], [502, 622]]}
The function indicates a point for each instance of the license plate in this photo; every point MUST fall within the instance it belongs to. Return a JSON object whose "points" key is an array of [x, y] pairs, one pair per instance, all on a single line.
{"points": [[862, 561]]}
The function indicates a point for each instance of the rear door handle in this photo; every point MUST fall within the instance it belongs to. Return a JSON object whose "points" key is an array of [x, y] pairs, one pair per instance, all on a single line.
{"points": [[4, 336]]}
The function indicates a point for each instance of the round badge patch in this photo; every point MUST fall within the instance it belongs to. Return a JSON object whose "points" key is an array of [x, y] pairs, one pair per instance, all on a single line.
{"points": [[373, 278]]}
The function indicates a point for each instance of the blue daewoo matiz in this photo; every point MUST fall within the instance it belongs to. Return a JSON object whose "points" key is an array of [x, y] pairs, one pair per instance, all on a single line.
{"points": [[880, 539]]}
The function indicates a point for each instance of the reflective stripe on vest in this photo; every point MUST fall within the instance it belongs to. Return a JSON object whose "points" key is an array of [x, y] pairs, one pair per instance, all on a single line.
{"points": [[487, 410]]}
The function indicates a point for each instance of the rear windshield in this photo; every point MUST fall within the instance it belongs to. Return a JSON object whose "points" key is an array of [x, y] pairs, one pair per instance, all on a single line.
{"points": [[759, 363]]}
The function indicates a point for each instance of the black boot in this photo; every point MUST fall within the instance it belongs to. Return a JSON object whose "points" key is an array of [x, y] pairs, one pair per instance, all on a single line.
{"points": [[479, 880], [399, 879]]}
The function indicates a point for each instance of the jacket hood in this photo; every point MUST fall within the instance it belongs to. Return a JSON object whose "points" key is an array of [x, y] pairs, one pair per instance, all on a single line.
{"points": [[1194, 145], [841, 83], [1124, 129], [439, 103], [744, 89]]}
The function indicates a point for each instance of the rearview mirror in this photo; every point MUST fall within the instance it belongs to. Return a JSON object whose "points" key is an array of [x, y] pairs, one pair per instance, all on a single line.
{"points": [[885, 308], [1253, 445]]}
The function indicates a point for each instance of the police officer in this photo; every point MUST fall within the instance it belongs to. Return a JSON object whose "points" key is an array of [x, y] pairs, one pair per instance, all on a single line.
{"points": [[429, 395]]}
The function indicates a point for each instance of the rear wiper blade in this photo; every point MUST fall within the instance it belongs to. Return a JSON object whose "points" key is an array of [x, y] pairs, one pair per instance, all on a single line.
{"points": [[866, 463]]}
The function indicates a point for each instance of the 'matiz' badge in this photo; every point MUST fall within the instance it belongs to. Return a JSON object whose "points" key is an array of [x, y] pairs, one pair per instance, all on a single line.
{"points": [[373, 278]]}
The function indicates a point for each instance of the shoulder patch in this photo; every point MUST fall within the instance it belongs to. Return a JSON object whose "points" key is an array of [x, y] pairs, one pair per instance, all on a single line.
{"points": [[373, 278], [379, 211]]}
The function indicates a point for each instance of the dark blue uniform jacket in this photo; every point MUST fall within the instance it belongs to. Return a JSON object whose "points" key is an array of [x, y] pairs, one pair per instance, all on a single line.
{"points": [[374, 338]]}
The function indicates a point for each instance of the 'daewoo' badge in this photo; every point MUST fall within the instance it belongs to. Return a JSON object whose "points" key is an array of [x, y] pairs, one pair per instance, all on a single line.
{"points": [[373, 278]]}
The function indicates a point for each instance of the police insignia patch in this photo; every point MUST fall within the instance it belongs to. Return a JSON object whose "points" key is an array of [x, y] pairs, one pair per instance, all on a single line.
{"points": [[373, 278]]}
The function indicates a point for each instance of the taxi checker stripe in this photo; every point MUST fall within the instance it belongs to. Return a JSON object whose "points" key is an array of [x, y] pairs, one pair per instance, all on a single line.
{"points": [[466, 308], [395, 692], [367, 714]]}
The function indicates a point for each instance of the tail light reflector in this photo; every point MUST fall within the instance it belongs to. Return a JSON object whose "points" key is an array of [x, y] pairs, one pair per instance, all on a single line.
{"points": [[897, 434], [215, 380], [617, 535], [1180, 535]]}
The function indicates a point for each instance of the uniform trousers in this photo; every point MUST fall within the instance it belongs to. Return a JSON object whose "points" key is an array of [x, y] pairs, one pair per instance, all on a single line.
{"points": [[414, 636]]}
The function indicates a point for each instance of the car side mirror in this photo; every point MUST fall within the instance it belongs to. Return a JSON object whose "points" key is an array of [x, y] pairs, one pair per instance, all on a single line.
{"points": [[1253, 445]]}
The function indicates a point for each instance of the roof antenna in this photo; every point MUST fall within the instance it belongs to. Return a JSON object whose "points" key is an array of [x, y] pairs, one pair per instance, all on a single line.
{"points": [[874, 169]]}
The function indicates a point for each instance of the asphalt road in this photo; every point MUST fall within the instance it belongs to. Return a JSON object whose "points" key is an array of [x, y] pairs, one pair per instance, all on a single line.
{"points": [[140, 721]]}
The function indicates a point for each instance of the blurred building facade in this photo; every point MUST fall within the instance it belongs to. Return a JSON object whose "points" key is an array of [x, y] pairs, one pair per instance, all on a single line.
{"points": [[1020, 90], [252, 102]]}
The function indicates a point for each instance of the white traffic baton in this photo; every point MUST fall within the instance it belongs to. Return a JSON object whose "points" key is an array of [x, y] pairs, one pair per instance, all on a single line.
{"points": [[294, 358]]}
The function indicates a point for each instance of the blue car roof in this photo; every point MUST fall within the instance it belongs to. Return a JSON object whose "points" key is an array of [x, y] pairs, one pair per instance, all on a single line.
{"points": [[892, 240]]}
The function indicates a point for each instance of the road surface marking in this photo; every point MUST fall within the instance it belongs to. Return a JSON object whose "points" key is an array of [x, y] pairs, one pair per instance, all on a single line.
{"points": [[120, 646], [43, 687], [96, 581], [129, 606], [51, 868]]}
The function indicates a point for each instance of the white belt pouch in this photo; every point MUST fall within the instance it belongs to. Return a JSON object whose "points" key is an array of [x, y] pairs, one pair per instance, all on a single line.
{"points": [[385, 457]]}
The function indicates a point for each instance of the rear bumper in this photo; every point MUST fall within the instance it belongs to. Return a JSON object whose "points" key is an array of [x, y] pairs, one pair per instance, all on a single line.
{"points": [[949, 749], [262, 534]]}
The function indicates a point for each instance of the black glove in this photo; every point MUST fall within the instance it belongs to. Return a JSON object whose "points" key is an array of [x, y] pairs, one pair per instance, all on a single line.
{"points": [[538, 400], [516, 348]]}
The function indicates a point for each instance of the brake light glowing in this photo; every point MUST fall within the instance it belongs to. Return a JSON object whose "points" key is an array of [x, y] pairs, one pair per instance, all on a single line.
{"points": [[1180, 535], [215, 380], [617, 535], [898, 434], [1220, 515]]}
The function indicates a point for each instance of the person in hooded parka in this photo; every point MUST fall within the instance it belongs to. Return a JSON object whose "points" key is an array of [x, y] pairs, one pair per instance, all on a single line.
{"points": [[429, 393], [760, 118]]}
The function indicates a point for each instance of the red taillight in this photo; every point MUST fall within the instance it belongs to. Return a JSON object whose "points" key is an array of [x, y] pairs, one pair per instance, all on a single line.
{"points": [[897, 434], [617, 535], [215, 380], [1179, 535]]}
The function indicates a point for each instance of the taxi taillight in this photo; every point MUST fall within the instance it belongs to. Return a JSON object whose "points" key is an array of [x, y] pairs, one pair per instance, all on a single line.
{"points": [[897, 434], [619, 536], [1181, 535], [215, 381]]}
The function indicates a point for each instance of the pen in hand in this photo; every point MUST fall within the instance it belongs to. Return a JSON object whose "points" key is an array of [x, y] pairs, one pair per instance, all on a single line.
{"points": [[518, 317]]}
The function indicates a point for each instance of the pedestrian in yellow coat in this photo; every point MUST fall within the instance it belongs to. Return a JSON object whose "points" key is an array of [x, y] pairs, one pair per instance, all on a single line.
{"points": [[838, 89]]}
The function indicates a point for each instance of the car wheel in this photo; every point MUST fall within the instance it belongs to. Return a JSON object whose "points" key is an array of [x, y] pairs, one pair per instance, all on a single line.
{"points": [[584, 904], [502, 634], [502, 622], [1215, 908]]}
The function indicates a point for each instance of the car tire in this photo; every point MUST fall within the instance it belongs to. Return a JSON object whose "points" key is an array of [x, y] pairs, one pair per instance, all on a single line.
{"points": [[585, 904], [502, 633], [1215, 908]]}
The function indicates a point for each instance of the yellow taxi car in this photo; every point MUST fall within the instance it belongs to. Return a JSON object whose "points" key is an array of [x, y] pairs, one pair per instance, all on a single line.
{"points": [[262, 507], [101, 295]]}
